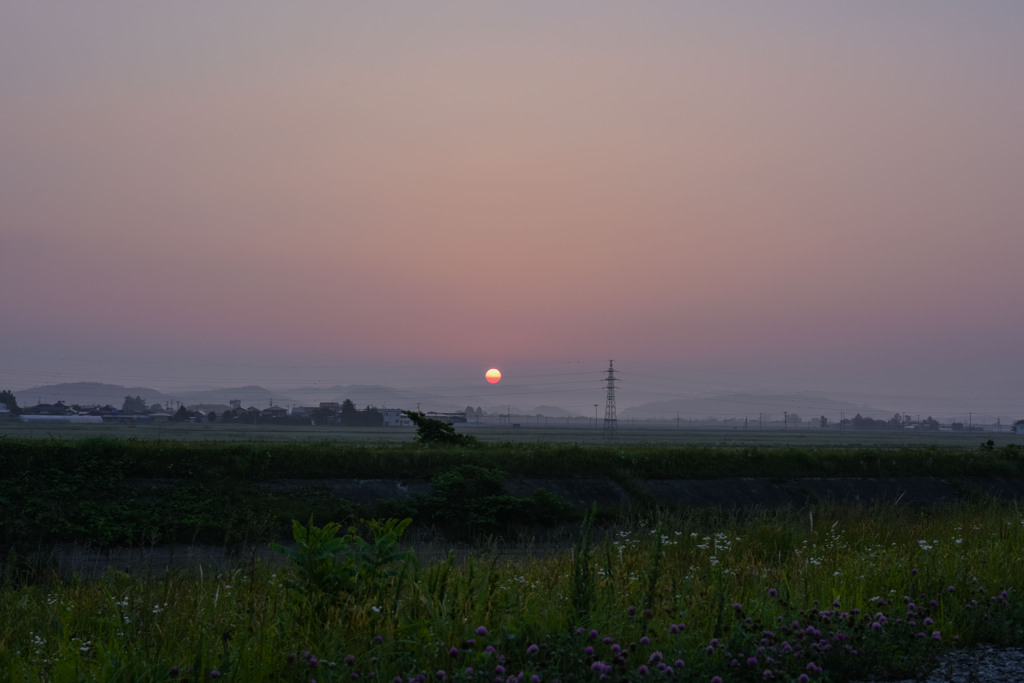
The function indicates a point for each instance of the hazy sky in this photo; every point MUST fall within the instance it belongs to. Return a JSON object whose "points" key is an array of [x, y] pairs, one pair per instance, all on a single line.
{"points": [[718, 195]]}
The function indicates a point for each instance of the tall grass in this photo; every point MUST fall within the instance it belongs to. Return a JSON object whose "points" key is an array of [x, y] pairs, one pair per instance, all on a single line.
{"points": [[680, 595]]}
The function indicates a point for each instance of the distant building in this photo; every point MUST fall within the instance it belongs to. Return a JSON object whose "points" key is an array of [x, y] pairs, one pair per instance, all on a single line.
{"points": [[450, 418], [394, 417], [57, 408], [273, 412]]}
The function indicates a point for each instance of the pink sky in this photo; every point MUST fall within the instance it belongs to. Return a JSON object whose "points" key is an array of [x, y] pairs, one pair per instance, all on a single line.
{"points": [[786, 195]]}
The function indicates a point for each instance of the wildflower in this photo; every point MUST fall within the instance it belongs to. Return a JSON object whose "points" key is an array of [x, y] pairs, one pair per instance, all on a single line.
{"points": [[875, 626], [772, 593], [737, 606], [533, 649], [350, 660], [680, 663], [214, 674], [588, 651], [594, 634], [768, 674], [751, 661], [716, 679], [313, 661], [643, 670], [441, 674], [645, 641], [453, 652], [481, 631], [936, 635], [631, 610]]}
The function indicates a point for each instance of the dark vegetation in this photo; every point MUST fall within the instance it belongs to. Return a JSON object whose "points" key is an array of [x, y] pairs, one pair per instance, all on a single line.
{"points": [[111, 492]]}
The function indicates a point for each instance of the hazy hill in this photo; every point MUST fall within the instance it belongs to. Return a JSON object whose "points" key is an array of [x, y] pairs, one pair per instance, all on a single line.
{"points": [[86, 393]]}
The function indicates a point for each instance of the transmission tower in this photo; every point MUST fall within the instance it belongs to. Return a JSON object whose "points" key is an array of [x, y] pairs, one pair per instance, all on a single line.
{"points": [[610, 420]]}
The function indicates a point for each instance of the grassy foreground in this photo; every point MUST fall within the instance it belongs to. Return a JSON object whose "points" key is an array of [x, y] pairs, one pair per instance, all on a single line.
{"points": [[701, 596], [826, 593]]}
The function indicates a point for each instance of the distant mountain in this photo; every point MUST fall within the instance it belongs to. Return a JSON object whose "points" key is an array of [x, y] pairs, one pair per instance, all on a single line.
{"points": [[368, 395], [86, 393], [749, 406], [251, 395]]}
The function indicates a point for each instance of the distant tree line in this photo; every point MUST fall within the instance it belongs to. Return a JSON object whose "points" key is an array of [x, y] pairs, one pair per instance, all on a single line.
{"points": [[7, 398], [349, 416], [896, 422]]}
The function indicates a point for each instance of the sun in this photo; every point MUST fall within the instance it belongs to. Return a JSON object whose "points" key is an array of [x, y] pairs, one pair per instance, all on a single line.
{"points": [[493, 375]]}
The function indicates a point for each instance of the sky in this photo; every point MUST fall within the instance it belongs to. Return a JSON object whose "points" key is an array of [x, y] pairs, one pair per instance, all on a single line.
{"points": [[727, 196]]}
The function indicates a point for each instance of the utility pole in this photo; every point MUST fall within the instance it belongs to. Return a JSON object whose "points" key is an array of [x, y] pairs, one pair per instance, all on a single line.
{"points": [[595, 416], [611, 422]]}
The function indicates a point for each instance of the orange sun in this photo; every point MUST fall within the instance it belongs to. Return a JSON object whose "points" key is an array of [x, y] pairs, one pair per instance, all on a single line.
{"points": [[493, 375]]}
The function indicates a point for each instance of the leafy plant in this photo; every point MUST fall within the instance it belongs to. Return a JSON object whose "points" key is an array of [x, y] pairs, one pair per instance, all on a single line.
{"points": [[328, 566]]}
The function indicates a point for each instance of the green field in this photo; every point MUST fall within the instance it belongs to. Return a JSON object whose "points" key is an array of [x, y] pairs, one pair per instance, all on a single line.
{"points": [[527, 433], [821, 592]]}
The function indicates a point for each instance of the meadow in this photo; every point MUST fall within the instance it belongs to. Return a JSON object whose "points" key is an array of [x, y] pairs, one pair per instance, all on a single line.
{"points": [[824, 592]]}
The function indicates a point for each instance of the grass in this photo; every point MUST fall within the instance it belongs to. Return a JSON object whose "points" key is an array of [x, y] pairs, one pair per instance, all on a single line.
{"points": [[851, 592], [819, 593]]}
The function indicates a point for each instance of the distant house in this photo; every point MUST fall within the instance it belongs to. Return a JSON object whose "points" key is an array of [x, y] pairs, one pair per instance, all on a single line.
{"points": [[303, 411], [1018, 428], [394, 417], [57, 408], [273, 412]]}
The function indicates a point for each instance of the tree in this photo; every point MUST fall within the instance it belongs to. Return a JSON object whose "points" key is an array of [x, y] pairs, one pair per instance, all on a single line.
{"points": [[823, 422], [348, 415], [7, 398], [212, 416], [431, 431], [182, 415], [134, 404]]}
